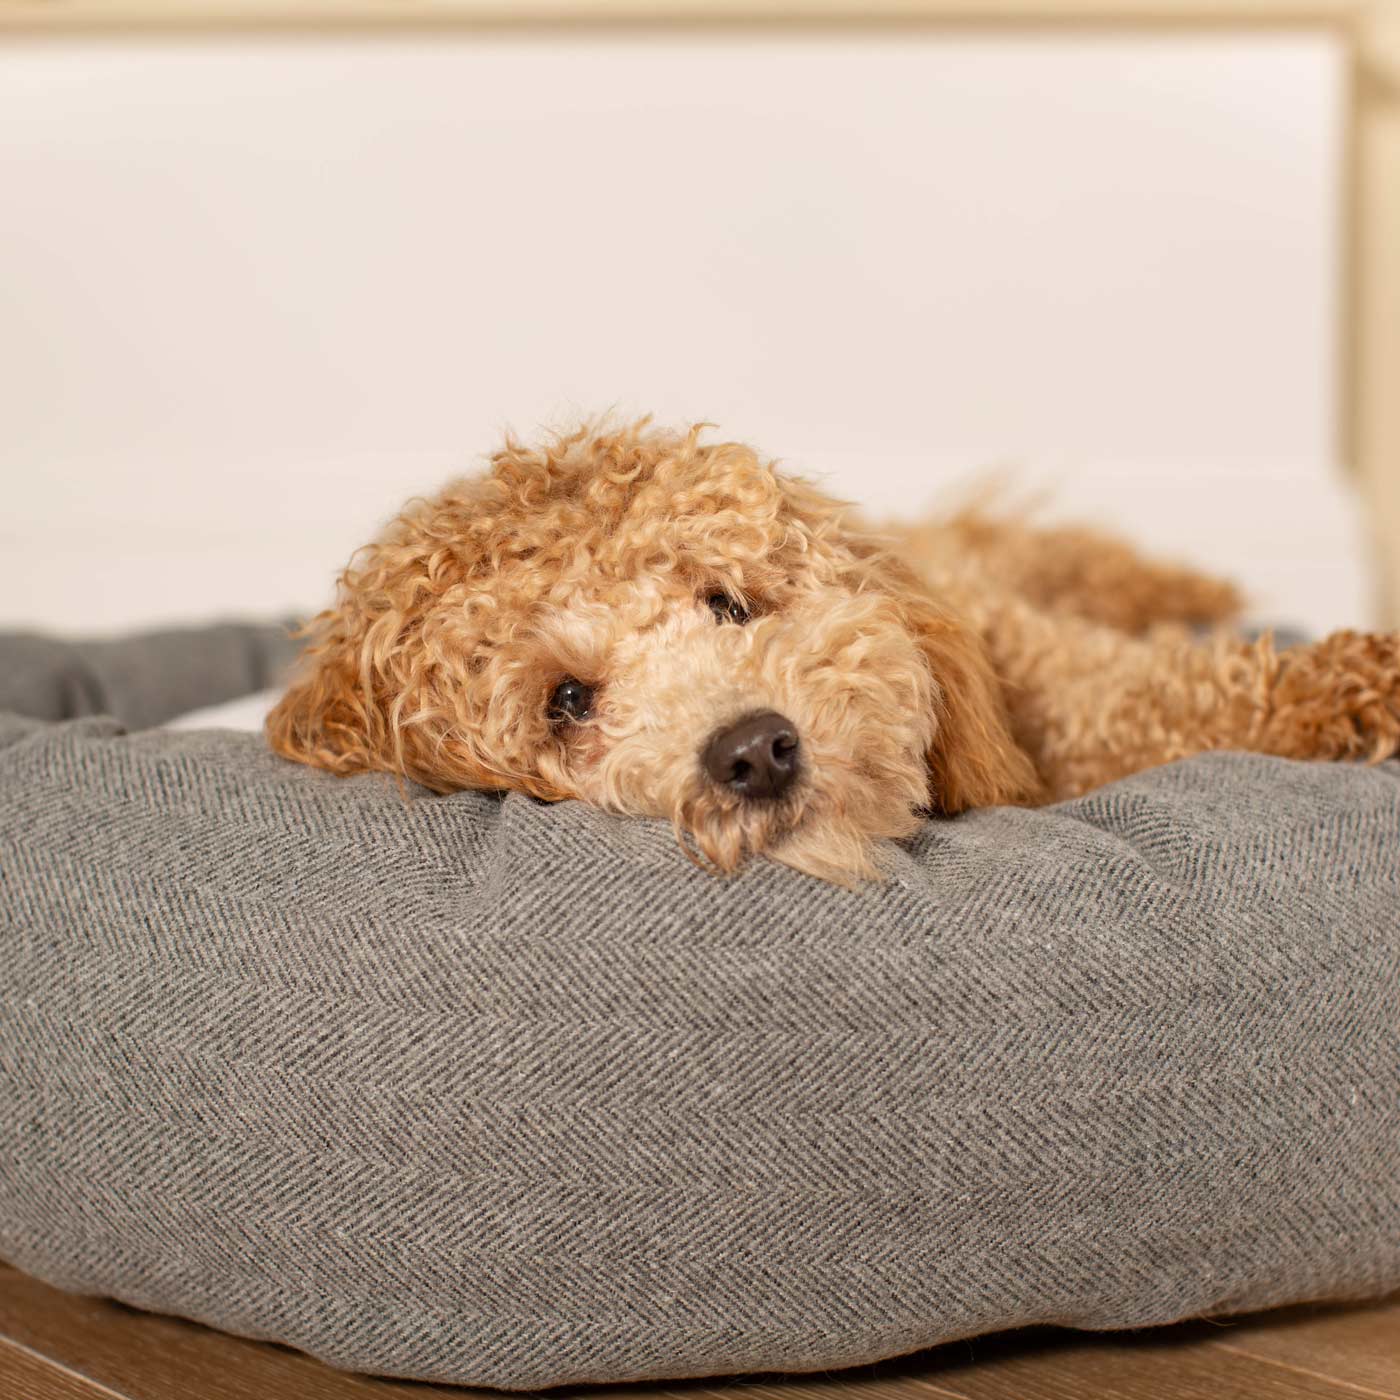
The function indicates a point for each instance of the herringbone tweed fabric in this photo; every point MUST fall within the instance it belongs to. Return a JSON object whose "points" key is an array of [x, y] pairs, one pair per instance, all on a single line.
{"points": [[511, 1094]]}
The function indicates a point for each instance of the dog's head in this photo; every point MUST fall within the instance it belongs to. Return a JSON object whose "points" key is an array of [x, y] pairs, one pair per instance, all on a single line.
{"points": [[662, 627]]}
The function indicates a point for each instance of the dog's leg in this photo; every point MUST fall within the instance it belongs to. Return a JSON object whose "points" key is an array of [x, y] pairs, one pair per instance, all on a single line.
{"points": [[1077, 571], [1091, 705]]}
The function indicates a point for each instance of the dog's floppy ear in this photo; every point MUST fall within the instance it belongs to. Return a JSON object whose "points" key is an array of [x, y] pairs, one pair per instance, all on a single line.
{"points": [[384, 685], [974, 760], [364, 697], [330, 716]]}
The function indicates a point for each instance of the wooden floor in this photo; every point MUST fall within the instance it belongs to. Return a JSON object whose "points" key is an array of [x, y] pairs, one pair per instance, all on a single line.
{"points": [[57, 1347]]}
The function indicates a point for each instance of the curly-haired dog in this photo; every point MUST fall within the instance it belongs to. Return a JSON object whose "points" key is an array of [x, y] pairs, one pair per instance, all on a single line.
{"points": [[669, 627]]}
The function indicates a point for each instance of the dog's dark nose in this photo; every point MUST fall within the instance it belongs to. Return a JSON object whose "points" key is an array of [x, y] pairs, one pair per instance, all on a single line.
{"points": [[757, 757]]}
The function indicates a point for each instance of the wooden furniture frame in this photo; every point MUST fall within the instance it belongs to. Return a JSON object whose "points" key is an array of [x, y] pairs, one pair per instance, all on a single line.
{"points": [[1368, 330]]}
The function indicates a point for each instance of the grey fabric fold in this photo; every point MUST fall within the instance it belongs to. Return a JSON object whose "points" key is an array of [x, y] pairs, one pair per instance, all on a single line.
{"points": [[142, 680]]}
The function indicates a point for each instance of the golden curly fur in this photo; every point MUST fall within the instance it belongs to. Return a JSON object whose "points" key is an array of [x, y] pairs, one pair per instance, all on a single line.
{"points": [[957, 664]]}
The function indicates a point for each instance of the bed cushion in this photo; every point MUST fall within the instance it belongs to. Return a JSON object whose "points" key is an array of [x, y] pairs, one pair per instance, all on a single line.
{"points": [[509, 1094]]}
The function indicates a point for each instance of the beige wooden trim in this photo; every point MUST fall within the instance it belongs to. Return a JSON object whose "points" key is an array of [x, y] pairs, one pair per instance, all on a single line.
{"points": [[41, 15], [1374, 287]]}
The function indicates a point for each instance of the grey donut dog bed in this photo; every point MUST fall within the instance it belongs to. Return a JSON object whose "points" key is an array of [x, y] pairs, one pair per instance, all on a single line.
{"points": [[508, 1094]]}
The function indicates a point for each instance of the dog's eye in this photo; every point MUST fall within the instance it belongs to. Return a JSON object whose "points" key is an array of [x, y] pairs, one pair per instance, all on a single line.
{"points": [[570, 699], [726, 609]]}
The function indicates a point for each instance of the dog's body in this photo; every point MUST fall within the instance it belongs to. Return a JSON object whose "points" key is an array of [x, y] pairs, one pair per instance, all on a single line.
{"points": [[666, 627]]}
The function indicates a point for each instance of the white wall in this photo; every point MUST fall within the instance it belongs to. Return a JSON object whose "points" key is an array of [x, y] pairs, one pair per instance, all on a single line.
{"points": [[255, 292]]}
